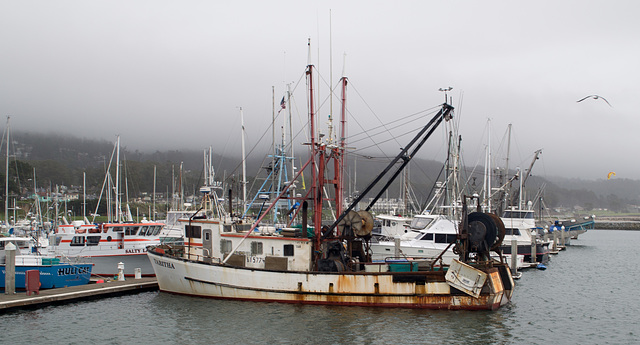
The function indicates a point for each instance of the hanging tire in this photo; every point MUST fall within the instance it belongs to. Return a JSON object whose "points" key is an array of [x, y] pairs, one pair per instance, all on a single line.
{"points": [[482, 232]]}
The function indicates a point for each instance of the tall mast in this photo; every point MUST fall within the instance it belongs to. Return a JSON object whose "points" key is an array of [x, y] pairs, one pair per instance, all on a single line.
{"points": [[6, 180], [489, 168], [84, 192], [339, 171], [244, 167], [117, 196], [153, 215], [316, 188], [293, 160]]}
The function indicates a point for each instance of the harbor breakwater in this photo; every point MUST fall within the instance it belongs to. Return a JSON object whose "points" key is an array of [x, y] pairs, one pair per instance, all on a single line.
{"points": [[617, 223]]}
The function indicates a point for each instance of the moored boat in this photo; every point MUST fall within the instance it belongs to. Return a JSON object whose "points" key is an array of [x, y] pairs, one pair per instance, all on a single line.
{"points": [[51, 272], [108, 244], [520, 226], [221, 259]]}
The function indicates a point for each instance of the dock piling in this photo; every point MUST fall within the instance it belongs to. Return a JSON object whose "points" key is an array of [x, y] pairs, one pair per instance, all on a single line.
{"points": [[10, 269]]}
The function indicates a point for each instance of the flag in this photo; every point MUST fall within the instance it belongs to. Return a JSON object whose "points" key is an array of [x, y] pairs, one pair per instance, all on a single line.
{"points": [[283, 103]]}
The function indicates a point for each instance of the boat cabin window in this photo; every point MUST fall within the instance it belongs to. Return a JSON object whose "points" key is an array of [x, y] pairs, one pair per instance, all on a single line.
{"points": [[427, 237], [131, 230], [518, 214], [18, 244], [256, 248], [56, 240], [156, 230], [420, 223], [288, 250], [510, 231], [226, 246], [144, 230], [193, 231], [77, 241], [93, 240], [445, 238], [117, 228]]}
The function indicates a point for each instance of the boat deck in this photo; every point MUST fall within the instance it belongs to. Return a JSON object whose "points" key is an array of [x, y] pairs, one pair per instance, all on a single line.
{"points": [[90, 291]]}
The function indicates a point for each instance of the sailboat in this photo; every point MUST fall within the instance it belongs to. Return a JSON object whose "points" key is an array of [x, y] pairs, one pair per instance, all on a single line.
{"points": [[51, 272], [332, 266], [120, 240]]}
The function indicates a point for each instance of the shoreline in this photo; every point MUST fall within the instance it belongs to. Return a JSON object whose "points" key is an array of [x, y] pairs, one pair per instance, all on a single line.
{"points": [[617, 225]]}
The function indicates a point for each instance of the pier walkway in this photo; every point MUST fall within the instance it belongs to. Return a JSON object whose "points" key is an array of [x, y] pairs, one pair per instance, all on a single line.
{"points": [[75, 293]]}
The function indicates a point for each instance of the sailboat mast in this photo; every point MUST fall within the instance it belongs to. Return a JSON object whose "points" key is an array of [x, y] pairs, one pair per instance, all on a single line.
{"points": [[244, 166], [84, 192], [117, 196], [6, 180], [153, 215]]}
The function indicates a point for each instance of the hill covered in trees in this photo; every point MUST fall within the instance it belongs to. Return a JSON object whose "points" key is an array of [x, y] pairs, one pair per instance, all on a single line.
{"points": [[66, 160]]}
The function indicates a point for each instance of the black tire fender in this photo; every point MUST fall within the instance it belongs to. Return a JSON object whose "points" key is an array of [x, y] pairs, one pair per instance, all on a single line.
{"points": [[482, 231]]}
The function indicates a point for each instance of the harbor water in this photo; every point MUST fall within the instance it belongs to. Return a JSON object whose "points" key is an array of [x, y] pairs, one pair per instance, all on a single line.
{"points": [[587, 295]]}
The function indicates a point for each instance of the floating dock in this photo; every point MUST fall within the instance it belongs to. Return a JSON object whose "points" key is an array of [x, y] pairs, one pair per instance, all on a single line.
{"points": [[75, 293]]}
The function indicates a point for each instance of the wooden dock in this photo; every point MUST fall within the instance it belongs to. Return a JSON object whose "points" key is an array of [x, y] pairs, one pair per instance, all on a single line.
{"points": [[74, 293]]}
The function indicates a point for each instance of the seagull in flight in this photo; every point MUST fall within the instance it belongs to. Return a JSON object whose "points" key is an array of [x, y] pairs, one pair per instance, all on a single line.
{"points": [[595, 97]]}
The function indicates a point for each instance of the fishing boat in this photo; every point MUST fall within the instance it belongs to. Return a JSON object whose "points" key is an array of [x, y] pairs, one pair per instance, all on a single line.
{"points": [[52, 273], [106, 245], [520, 226], [332, 266]]}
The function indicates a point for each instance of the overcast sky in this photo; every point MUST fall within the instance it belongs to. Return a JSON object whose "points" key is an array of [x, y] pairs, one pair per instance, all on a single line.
{"points": [[172, 74]]}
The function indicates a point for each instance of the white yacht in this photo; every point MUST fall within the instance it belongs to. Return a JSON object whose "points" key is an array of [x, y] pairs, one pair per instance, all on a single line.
{"points": [[426, 237]]}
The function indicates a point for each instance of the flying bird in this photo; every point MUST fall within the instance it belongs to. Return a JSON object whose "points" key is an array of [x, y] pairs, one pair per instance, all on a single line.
{"points": [[595, 97]]}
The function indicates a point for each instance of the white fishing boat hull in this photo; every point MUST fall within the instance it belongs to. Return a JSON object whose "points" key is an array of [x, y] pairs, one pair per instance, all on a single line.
{"points": [[427, 290], [107, 265]]}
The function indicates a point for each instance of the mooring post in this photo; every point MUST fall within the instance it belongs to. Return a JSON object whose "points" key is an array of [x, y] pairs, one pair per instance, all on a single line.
{"points": [[533, 247], [10, 269], [555, 241], [514, 256], [120, 271], [396, 247], [562, 233]]}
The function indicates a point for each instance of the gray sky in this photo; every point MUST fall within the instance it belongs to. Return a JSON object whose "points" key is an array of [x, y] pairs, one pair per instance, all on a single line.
{"points": [[172, 74]]}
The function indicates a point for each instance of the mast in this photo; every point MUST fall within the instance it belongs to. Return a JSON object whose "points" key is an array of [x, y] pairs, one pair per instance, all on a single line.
{"points": [[117, 196], [6, 180], [180, 189], [84, 192], [343, 146], [244, 166], [35, 195], [316, 189], [489, 168], [153, 215], [293, 160]]}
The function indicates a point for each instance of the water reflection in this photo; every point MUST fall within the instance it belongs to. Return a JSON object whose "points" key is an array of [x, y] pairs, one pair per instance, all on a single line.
{"points": [[585, 296]]}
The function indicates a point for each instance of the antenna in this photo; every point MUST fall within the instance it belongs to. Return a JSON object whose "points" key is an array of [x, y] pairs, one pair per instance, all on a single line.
{"points": [[445, 90]]}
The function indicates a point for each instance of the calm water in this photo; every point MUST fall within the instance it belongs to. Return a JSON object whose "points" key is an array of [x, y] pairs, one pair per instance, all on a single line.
{"points": [[587, 296]]}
